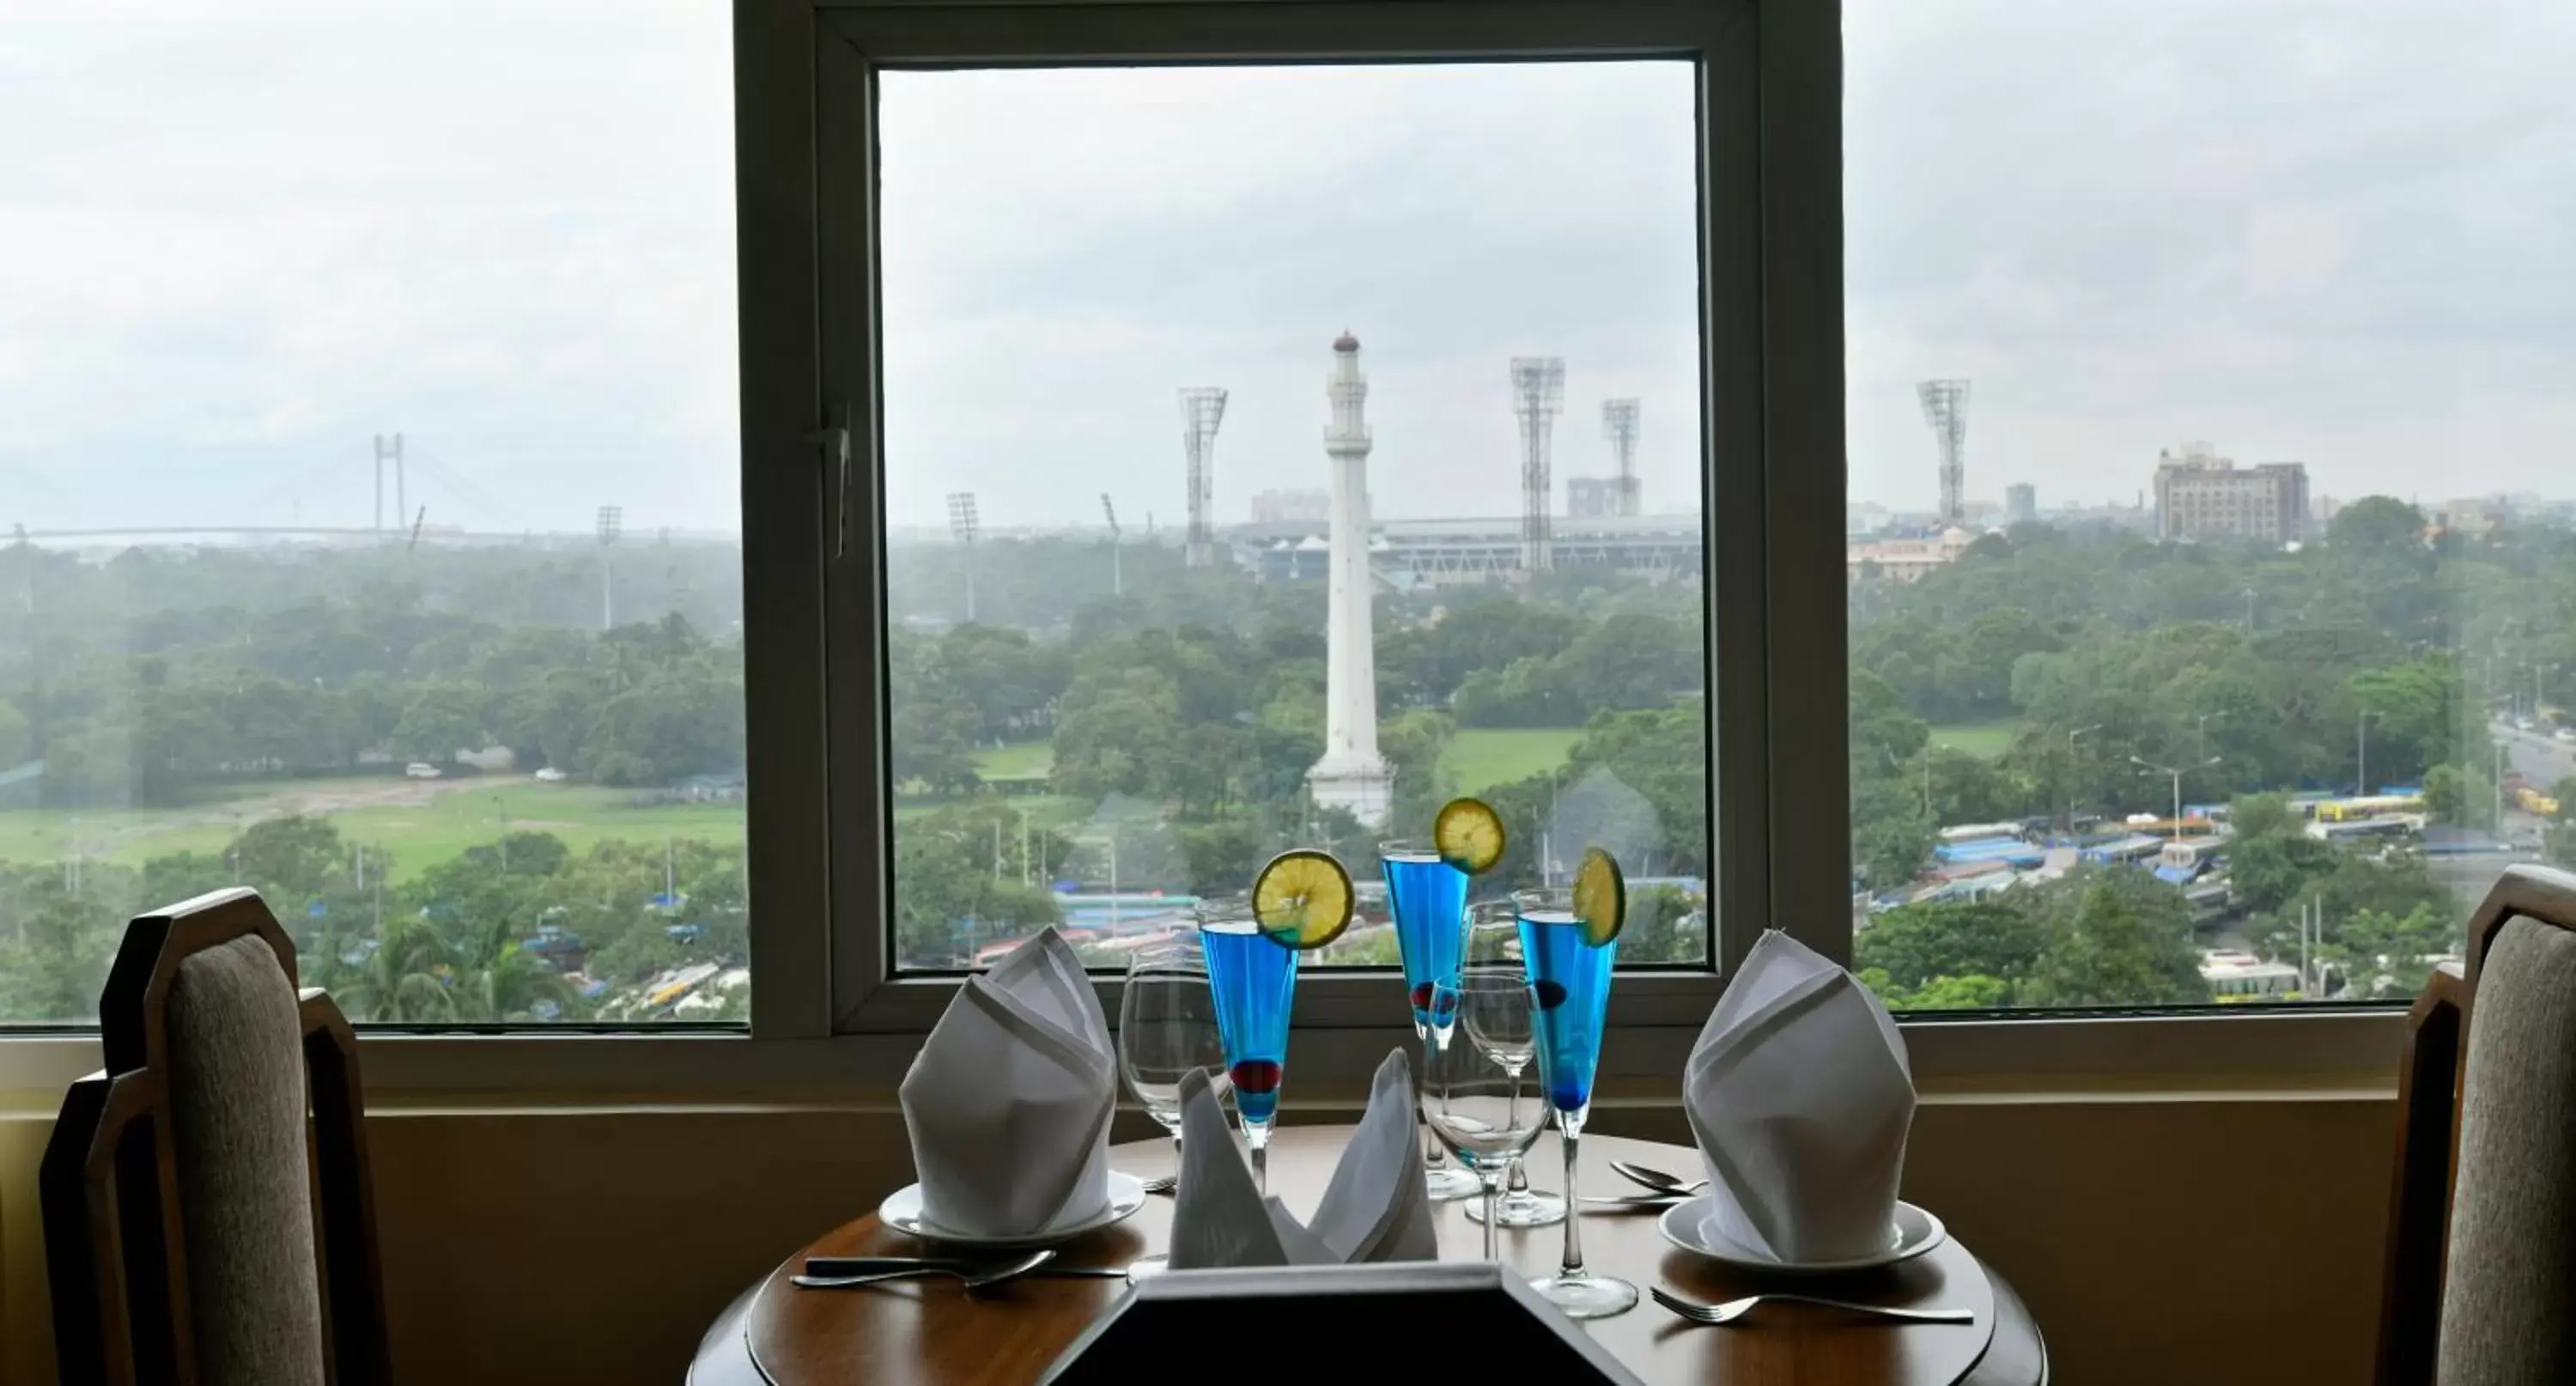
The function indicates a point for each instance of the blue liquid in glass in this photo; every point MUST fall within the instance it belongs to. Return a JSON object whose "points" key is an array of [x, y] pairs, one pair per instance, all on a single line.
{"points": [[1428, 898], [1570, 982], [1254, 981]]}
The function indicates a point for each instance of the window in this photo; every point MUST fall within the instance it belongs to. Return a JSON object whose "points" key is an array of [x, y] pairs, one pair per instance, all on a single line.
{"points": [[367, 427], [2271, 745], [1447, 313]]}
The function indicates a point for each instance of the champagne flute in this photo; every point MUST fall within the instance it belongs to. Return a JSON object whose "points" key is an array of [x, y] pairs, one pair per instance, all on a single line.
{"points": [[1569, 978]]}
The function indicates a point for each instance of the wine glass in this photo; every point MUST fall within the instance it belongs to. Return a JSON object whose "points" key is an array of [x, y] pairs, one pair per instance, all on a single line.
{"points": [[1167, 1027], [1471, 1103], [1569, 978], [1493, 959]]}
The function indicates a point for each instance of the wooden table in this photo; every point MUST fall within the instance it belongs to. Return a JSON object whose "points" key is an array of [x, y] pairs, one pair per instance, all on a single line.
{"points": [[930, 1334]]}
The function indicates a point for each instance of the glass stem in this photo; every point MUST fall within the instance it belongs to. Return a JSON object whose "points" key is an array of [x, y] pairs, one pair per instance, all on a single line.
{"points": [[1493, 1251], [1570, 1127], [1519, 1182], [1258, 1138], [1432, 1158]]}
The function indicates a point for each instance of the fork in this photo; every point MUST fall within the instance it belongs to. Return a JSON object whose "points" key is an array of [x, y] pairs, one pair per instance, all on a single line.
{"points": [[975, 1279], [1734, 1309]]}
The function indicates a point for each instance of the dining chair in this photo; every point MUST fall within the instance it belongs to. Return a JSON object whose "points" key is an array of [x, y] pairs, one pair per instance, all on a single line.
{"points": [[2481, 1262], [185, 1182]]}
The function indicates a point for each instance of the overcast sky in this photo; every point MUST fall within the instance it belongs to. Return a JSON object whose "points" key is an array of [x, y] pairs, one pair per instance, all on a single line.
{"points": [[237, 240]]}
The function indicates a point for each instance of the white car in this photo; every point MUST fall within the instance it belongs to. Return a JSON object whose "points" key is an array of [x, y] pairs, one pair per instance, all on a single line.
{"points": [[2564, 734], [549, 775], [422, 770]]}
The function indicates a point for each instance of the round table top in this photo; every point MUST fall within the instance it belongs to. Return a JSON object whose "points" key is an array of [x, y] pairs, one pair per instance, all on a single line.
{"points": [[927, 1333]]}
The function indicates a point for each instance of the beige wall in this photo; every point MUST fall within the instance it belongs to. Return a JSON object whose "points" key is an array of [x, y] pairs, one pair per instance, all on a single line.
{"points": [[2206, 1239]]}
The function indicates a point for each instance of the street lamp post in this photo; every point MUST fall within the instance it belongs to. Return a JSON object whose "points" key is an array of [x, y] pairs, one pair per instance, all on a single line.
{"points": [[2361, 753], [2203, 724], [2071, 734], [2499, 791], [2177, 774]]}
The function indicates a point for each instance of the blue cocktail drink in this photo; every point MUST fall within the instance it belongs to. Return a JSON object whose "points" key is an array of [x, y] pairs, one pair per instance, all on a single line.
{"points": [[1568, 962], [1427, 898], [1254, 979]]}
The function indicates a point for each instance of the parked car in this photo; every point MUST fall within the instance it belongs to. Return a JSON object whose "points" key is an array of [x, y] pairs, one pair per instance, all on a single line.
{"points": [[2565, 734], [549, 775], [422, 770]]}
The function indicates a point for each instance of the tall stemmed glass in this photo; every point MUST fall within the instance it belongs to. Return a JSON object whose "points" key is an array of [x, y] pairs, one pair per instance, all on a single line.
{"points": [[1569, 978], [1254, 980], [1493, 959], [1427, 898], [1468, 1100], [1167, 1027]]}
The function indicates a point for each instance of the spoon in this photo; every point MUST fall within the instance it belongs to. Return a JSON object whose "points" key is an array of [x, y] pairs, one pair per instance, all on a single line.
{"points": [[975, 1279], [1656, 1179]]}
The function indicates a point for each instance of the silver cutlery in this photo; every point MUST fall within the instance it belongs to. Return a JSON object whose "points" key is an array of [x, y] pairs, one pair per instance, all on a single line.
{"points": [[1654, 1178], [1163, 1184], [1613, 1202], [976, 1277], [1733, 1309]]}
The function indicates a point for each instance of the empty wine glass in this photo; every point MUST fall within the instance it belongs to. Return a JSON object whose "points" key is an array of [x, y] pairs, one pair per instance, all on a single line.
{"points": [[1494, 959], [1167, 1027], [1469, 1101]]}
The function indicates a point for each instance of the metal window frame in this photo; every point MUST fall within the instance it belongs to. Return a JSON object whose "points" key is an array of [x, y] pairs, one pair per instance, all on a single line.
{"points": [[1771, 427]]}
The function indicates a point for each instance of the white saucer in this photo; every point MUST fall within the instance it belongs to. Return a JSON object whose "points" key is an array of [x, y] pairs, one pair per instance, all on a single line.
{"points": [[902, 1212], [1683, 1224]]}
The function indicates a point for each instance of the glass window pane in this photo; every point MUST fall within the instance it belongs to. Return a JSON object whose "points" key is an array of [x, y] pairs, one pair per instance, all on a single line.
{"points": [[367, 427], [1160, 346], [2208, 559]]}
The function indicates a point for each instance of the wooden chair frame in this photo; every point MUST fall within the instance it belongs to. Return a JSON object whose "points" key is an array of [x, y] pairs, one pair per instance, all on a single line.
{"points": [[2428, 1139], [114, 1242]]}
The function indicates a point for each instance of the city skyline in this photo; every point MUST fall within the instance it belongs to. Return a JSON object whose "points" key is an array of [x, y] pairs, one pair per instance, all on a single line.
{"points": [[2262, 228]]}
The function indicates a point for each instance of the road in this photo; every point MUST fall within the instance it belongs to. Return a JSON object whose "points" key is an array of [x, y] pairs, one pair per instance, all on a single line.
{"points": [[2542, 759]]}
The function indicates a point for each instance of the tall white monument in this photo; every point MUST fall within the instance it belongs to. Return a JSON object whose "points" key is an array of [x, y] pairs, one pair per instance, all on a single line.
{"points": [[1352, 775]]}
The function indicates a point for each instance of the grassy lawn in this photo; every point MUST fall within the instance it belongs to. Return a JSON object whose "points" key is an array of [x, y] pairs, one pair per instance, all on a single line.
{"points": [[418, 828], [1480, 758], [1987, 739], [1020, 760]]}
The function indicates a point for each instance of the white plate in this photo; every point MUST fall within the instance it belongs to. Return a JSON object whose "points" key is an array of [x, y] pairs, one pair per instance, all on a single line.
{"points": [[1683, 1224], [902, 1212]]}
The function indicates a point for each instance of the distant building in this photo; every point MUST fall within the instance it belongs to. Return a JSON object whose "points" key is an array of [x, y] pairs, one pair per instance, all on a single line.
{"points": [[2200, 495], [1598, 497], [1292, 507], [1903, 560], [2476, 516], [2021, 503]]}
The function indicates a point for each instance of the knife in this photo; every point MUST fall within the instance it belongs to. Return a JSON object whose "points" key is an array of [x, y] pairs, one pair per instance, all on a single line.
{"points": [[836, 1266]]}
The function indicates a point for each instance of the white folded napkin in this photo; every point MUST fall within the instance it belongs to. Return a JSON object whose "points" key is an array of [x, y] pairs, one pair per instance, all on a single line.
{"points": [[1800, 1096], [1377, 1207], [1008, 1102]]}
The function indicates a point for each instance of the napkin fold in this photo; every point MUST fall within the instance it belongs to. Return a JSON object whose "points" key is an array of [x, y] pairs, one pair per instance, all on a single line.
{"points": [[1008, 1103], [1377, 1207], [1800, 1096]]}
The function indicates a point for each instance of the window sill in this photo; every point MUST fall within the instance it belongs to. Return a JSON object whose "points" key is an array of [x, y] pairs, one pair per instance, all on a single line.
{"points": [[2053, 1058]]}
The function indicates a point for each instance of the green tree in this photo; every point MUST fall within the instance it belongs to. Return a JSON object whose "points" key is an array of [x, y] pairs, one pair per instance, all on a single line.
{"points": [[439, 720], [1914, 945], [2125, 941]]}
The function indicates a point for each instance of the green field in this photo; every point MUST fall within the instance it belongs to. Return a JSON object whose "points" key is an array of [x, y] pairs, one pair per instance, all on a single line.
{"points": [[1480, 758], [419, 825], [1020, 760], [1987, 739]]}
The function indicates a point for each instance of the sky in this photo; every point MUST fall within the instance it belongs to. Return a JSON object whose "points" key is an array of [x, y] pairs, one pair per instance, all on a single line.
{"points": [[237, 241]]}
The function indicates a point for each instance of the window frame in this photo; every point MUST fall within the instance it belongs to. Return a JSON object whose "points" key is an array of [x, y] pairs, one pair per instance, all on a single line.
{"points": [[1768, 108], [1775, 578]]}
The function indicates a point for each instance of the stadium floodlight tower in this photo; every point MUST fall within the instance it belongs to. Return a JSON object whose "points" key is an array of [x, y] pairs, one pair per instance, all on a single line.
{"points": [[1945, 407], [612, 523], [963, 524], [1202, 409], [1538, 396], [1619, 425], [1117, 578]]}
